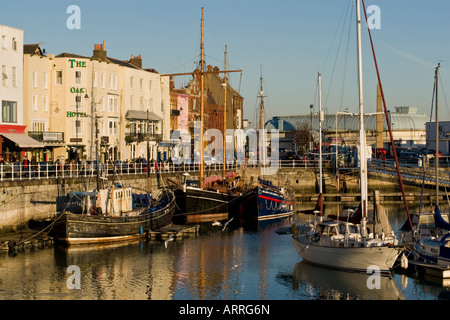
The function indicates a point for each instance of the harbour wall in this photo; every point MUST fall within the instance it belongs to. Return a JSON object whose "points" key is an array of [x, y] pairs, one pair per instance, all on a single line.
{"points": [[22, 202]]}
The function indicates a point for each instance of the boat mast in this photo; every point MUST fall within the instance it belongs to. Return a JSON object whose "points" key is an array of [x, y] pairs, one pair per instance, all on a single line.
{"points": [[436, 156], [261, 123], [202, 88], [362, 133], [320, 131], [224, 152]]}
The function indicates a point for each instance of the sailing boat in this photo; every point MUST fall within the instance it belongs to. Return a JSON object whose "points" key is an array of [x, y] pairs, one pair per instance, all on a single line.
{"points": [[265, 201], [345, 245], [206, 199], [435, 248]]}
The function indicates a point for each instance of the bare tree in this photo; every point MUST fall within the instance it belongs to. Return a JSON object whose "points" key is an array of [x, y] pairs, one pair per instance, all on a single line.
{"points": [[303, 136]]}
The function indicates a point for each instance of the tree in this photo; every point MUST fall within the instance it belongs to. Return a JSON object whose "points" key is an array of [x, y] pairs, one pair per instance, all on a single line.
{"points": [[303, 136]]}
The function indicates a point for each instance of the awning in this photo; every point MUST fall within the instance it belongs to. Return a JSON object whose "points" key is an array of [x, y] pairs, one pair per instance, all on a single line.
{"points": [[23, 140], [141, 115]]}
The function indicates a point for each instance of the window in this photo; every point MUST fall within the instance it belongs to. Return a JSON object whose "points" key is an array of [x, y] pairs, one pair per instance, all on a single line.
{"points": [[14, 44], [9, 111], [150, 85], [131, 101], [34, 102], [4, 42], [4, 76], [58, 78], [14, 77], [94, 79], [45, 102], [141, 83], [116, 78], [34, 79], [113, 104], [111, 81], [103, 104], [142, 103], [131, 81], [112, 126], [78, 127], [38, 125], [103, 80], [45, 80], [78, 76]]}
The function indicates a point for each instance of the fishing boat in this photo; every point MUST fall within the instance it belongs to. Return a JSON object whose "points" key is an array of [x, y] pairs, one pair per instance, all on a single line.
{"points": [[352, 245], [207, 198], [113, 214], [265, 201]]}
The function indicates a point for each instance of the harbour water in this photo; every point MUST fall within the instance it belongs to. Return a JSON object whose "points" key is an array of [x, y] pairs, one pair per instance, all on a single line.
{"points": [[234, 264]]}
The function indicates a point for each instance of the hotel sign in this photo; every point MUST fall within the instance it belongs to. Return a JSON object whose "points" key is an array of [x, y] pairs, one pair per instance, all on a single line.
{"points": [[72, 114], [78, 64], [77, 90]]}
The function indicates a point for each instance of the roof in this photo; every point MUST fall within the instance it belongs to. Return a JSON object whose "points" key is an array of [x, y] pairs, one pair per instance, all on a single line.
{"points": [[142, 115], [32, 49], [399, 121], [71, 55]]}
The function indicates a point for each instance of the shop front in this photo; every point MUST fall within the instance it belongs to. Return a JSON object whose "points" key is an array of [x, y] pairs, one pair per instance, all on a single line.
{"points": [[14, 143]]}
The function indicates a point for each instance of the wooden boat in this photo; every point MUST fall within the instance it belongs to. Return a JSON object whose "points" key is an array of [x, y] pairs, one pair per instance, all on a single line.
{"points": [[352, 245], [207, 199], [115, 214]]}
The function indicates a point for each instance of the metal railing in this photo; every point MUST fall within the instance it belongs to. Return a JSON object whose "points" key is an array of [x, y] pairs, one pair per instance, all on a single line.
{"points": [[46, 170]]}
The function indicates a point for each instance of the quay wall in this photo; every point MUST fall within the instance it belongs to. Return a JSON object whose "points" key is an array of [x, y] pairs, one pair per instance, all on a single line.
{"points": [[22, 202]]}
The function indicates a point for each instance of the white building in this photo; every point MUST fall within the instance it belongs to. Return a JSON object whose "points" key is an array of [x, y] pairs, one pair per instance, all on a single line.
{"points": [[11, 89], [444, 136], [14, 141]]}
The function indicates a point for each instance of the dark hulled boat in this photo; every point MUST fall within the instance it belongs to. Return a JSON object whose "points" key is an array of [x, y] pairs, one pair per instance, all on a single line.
{"points": [[121, 216], [266, 202]]}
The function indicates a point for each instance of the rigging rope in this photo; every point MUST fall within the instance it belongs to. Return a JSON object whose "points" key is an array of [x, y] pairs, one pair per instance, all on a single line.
{"points": [[388, 121]]}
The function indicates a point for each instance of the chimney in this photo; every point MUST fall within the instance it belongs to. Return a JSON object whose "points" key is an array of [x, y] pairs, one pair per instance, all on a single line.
{"points": [[136, 61], [99, 52]]}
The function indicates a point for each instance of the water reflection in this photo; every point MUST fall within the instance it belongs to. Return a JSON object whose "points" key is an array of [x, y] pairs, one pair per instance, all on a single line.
{"points": [[322, 283], [237, 263]]}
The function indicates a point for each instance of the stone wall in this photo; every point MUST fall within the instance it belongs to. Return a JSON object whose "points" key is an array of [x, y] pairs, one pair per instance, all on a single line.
{"points": [[22, 201]]}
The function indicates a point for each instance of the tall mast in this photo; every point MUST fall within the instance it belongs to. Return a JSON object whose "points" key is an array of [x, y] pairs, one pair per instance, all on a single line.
{"points": [[362, 133], [261, 105], [224, 152], [319, 79], [262, 136], [436, 157], [202, 88]]}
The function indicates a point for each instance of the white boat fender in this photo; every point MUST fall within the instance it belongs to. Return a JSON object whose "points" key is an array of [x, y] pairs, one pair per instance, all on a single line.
{"points": [[404, 261]]}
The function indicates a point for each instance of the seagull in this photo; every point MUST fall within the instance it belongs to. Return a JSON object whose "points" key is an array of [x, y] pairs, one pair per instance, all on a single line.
{"points": [[226, 224], [168, 240], [217, 223]]}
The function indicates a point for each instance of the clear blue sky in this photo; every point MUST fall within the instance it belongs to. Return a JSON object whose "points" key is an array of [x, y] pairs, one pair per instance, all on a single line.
{"points": [[292, 40]]}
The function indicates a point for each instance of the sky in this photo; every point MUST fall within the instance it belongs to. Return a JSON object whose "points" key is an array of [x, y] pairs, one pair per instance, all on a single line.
{"points": [[288, 42]]}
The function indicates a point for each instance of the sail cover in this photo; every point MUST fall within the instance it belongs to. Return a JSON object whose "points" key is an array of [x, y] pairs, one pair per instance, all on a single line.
{"points": [[439, 221]]}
